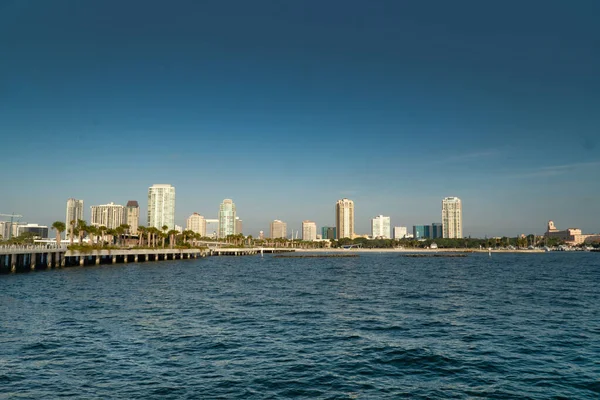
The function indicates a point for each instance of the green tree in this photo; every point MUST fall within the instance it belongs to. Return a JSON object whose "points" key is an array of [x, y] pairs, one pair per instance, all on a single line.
{"points": [[59, 227]]}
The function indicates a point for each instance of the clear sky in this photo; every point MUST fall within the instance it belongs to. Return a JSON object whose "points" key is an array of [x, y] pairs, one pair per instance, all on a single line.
{"points": [[287, 106]]}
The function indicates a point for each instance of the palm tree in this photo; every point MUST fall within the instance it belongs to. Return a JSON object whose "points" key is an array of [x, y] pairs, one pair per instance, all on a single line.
{"points": [[141, 231], [71, 231], [172, 233], [60, 228], [119, 230], [82, 229], [92, 233]]}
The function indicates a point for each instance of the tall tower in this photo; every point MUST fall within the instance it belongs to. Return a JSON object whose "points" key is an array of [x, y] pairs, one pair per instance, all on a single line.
{"points": [[197, 224], [278, 229], [309, 231], [226, 218], [452, 227], [161, 206], [109, 215], [380, 227], [132, 216], [344, 218], [74, 212]]}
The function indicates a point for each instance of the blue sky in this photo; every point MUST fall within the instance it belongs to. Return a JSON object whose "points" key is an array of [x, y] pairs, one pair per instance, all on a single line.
{"points": [[286, 107]]}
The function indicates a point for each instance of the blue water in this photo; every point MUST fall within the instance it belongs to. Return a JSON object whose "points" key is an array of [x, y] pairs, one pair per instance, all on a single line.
{"points": [[374, 327]]}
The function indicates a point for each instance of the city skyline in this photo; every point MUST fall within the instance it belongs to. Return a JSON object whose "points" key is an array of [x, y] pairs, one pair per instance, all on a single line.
{"points": [[494, 103]]}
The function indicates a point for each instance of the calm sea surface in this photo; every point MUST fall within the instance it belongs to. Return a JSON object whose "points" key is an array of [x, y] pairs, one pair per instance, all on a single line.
{"points": [[375, 327]]}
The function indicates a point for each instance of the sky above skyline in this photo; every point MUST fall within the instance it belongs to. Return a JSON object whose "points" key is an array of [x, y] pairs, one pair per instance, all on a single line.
{"points": [[286, 107]]}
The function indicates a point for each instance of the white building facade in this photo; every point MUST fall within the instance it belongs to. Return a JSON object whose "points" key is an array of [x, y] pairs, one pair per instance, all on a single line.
{"points": [[278, 229], [452, 227], [132, 216], [74, 213], [380, 227], [400, 232], [309, 231], [161, 206], [226, 218], [344, 218], [109, 215], [196, 223]]}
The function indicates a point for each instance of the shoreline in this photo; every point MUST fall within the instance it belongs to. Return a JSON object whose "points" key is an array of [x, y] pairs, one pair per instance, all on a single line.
{"points": [[407, 250]]}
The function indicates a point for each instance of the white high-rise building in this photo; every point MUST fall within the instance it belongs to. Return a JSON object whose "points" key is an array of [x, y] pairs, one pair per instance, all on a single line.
{"points": [[278, 229], [344, 218], [226, 218], [74, 213], [161, 206], [309, 231], [196, 223], [452, 227], [400, 232], [380, 227], [132, 216], [109, 215]]}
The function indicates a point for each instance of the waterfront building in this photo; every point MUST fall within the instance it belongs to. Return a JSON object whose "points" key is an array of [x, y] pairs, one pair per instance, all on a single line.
{"points": [[132, 216], [40, 231], [380, 227], [5, 230], [571, 236], [309, 231], [74, 213], [212, 228], [278, 229], [109, 215], [452, 227], [436, 231], [329, 232], [161, 206], [421, 231], [226, 218], [344, 218], [261, 235], [239, 226], [178, 228], [400, 232], [196, 223]]}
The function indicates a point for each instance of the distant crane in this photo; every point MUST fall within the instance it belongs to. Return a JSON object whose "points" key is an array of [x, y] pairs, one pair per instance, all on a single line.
{"points": [[12, 218]]}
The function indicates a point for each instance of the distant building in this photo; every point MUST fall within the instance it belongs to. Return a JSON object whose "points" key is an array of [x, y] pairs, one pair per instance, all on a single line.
{"points": [[109, 215], [39, 231], [329, 232], [74, 213], [212, 228], [196, 223], [226, 218], [278, 229], [380, 227], [178, 228], [261, 235], [239, 226], [421, 231], [452, 226], [344, 218], [132, 216], [400, 232], [572, 236], [436, 231], [309, 231], [161, 206]]}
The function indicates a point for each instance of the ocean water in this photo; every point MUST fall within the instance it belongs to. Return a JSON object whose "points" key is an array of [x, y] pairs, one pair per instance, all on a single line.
{"points": [[380, 326]]}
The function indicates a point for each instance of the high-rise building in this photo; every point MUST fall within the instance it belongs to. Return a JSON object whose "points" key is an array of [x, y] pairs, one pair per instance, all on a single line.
{"points": [[239, 227], [309, 231], [400, 232], [212, 228], [436, 231], [261, 235], [278, 229], [226, 218], [329, 232], [39, 231], [109, 215], [452, 218], [132, 216], [421, 231], [161, 206], [196, 223], [344, 218], [380, 227], [74, 213]]}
